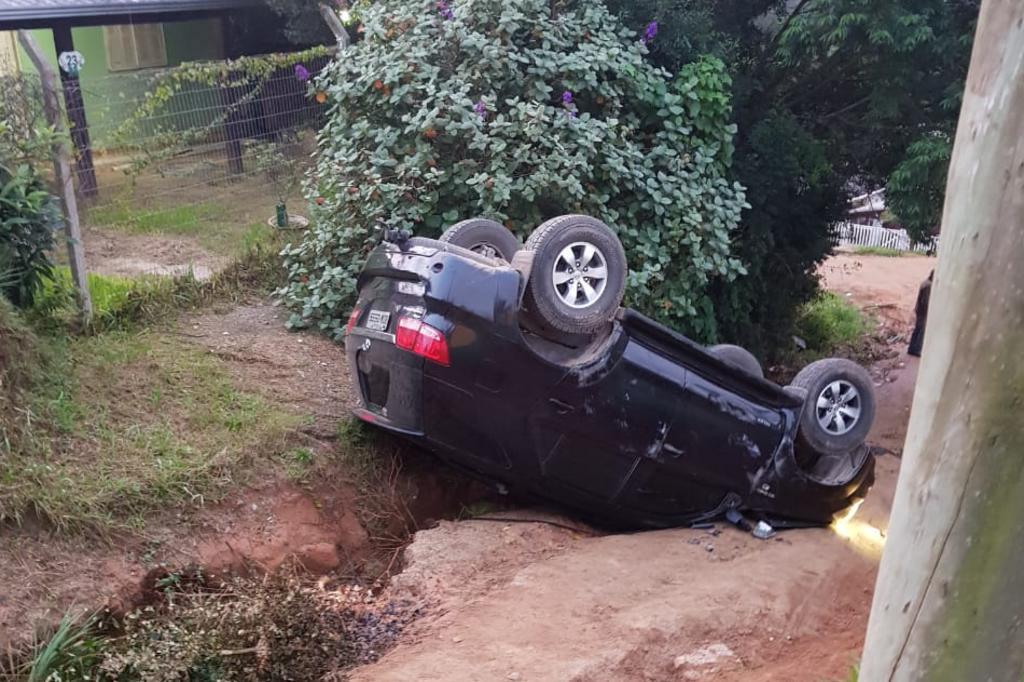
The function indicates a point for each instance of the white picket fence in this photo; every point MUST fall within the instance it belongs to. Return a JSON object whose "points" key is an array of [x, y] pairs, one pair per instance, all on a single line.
{"points": [[852, 234]]}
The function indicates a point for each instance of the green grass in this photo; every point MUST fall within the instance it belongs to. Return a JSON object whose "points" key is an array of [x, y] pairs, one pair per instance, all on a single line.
{"points": [[70, 653], [126, 303], [828, 322], [878, 251], [214, 225], [129, 422]]}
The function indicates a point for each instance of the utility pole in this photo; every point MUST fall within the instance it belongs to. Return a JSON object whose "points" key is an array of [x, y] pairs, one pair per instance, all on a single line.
{"points": [[949, 603]]}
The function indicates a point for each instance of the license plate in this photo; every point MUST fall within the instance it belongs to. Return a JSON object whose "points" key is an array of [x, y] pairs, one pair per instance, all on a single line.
{"points": [[377, 320]]}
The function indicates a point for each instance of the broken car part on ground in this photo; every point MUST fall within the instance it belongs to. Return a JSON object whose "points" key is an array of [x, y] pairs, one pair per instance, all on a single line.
{"points": [[518, 365]]}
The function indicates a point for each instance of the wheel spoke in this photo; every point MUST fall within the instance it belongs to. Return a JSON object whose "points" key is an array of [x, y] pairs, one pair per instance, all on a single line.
{"points": [[838, 419], [823, 401], [600, 272], [588, 254], [561, 276], [589, 293], [572, 294], [834, 389], [852, 413]]}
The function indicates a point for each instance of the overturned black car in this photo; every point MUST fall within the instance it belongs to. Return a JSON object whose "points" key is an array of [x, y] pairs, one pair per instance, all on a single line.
{"points": [[517, 364]]}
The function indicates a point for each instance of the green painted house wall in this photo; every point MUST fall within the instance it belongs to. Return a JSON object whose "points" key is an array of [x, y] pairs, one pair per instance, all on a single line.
{"points": [[111, 96]]}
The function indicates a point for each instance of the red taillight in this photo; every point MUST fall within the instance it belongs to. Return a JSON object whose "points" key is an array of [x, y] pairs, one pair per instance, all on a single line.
{"points": [[422, 339], [352, 319]]}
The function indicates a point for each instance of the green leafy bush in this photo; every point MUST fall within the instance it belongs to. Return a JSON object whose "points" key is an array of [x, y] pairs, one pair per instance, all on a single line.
{"points": [[28, 218], [828, 322], [520, 110]]}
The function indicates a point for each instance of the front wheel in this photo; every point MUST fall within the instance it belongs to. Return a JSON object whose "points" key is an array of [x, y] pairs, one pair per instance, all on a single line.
{"points": [[839, 408]]}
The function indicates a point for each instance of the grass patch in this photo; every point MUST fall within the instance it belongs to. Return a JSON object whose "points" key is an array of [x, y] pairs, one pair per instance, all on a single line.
{"points": [[878, 251], [129, 422], [127, 303], [829, 322], [214, 225]]}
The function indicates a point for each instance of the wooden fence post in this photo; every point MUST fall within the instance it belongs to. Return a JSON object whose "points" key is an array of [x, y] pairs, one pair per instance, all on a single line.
{"points": [[949, 601], [62, 171]]}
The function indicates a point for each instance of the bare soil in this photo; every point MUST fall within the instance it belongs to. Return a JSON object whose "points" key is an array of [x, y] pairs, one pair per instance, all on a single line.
{"points": [[130, 255]]}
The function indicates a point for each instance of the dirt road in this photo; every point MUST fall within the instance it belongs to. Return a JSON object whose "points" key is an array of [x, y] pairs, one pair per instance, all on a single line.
{"points": [[533, 602]]}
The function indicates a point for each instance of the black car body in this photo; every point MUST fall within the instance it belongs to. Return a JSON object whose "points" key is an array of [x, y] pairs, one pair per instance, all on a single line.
{"points": [[643, 428]]}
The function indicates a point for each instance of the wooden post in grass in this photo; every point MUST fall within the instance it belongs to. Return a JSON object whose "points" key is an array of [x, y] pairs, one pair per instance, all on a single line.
{"points": [[63, 175], [949, 603]]}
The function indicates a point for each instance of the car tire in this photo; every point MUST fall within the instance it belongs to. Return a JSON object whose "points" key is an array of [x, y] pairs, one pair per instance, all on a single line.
{"points": [[560, 291], [833, 419], [738, 357], [488, 238]]}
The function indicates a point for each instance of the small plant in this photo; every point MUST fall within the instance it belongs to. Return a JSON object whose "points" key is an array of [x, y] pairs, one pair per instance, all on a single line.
{"points": [[28, 220], [70, 653], [281, 171], [828, 322]]}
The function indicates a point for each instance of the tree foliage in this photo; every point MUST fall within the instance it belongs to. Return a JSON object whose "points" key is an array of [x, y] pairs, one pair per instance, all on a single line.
{"points": [[521, 110], [825, 91]]}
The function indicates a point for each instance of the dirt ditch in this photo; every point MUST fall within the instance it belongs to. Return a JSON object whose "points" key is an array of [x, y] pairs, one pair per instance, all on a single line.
{"points": [[323, 522]]}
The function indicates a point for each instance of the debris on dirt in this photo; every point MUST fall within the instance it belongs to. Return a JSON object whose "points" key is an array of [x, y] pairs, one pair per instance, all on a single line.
{"points": [[281, 626], [705, 655]]}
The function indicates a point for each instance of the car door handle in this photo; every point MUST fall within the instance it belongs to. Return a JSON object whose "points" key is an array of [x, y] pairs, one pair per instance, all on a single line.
{"points": [[560, 407]]}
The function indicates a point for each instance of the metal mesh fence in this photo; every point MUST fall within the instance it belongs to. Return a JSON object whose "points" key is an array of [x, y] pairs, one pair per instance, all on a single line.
{"points": [[185, 180]]}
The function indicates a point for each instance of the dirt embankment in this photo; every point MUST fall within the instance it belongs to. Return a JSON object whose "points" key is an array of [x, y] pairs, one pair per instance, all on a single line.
{"points": [[45, 573]]}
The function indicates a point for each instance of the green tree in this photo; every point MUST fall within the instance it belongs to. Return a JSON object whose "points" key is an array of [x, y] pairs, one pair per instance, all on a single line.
{"points": [[825, 91], [521, 110]]}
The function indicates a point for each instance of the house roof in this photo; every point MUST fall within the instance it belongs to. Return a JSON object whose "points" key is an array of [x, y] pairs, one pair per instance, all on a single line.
{"points": [[38, 12]]}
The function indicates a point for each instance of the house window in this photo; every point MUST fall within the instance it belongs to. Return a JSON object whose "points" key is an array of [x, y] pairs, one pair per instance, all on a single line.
{"points": [[135, 46]]}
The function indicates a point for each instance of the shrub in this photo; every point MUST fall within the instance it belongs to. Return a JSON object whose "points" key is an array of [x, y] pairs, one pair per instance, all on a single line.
{"points": [[28, 218], [519, 110], [828, 321]]}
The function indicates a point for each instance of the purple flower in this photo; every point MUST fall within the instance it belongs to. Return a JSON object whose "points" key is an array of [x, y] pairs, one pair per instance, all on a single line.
{"points": [[567, 98], [650, 32], [481, 109], [301, 72], [445, 11]]}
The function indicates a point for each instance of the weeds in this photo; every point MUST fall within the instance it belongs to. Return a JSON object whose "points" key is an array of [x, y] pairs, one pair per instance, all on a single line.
{"points": [[70, 653], [129, 422], [878, 251], [829, 322], [122, 303]]}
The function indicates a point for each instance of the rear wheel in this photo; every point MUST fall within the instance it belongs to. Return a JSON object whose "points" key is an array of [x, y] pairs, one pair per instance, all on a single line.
{"points": [[738, 357], [486, 237], [578, 275], [839, 408]]}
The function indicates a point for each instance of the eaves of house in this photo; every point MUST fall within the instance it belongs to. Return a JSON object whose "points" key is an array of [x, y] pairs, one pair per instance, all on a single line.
{"points": [[42, 13]]}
